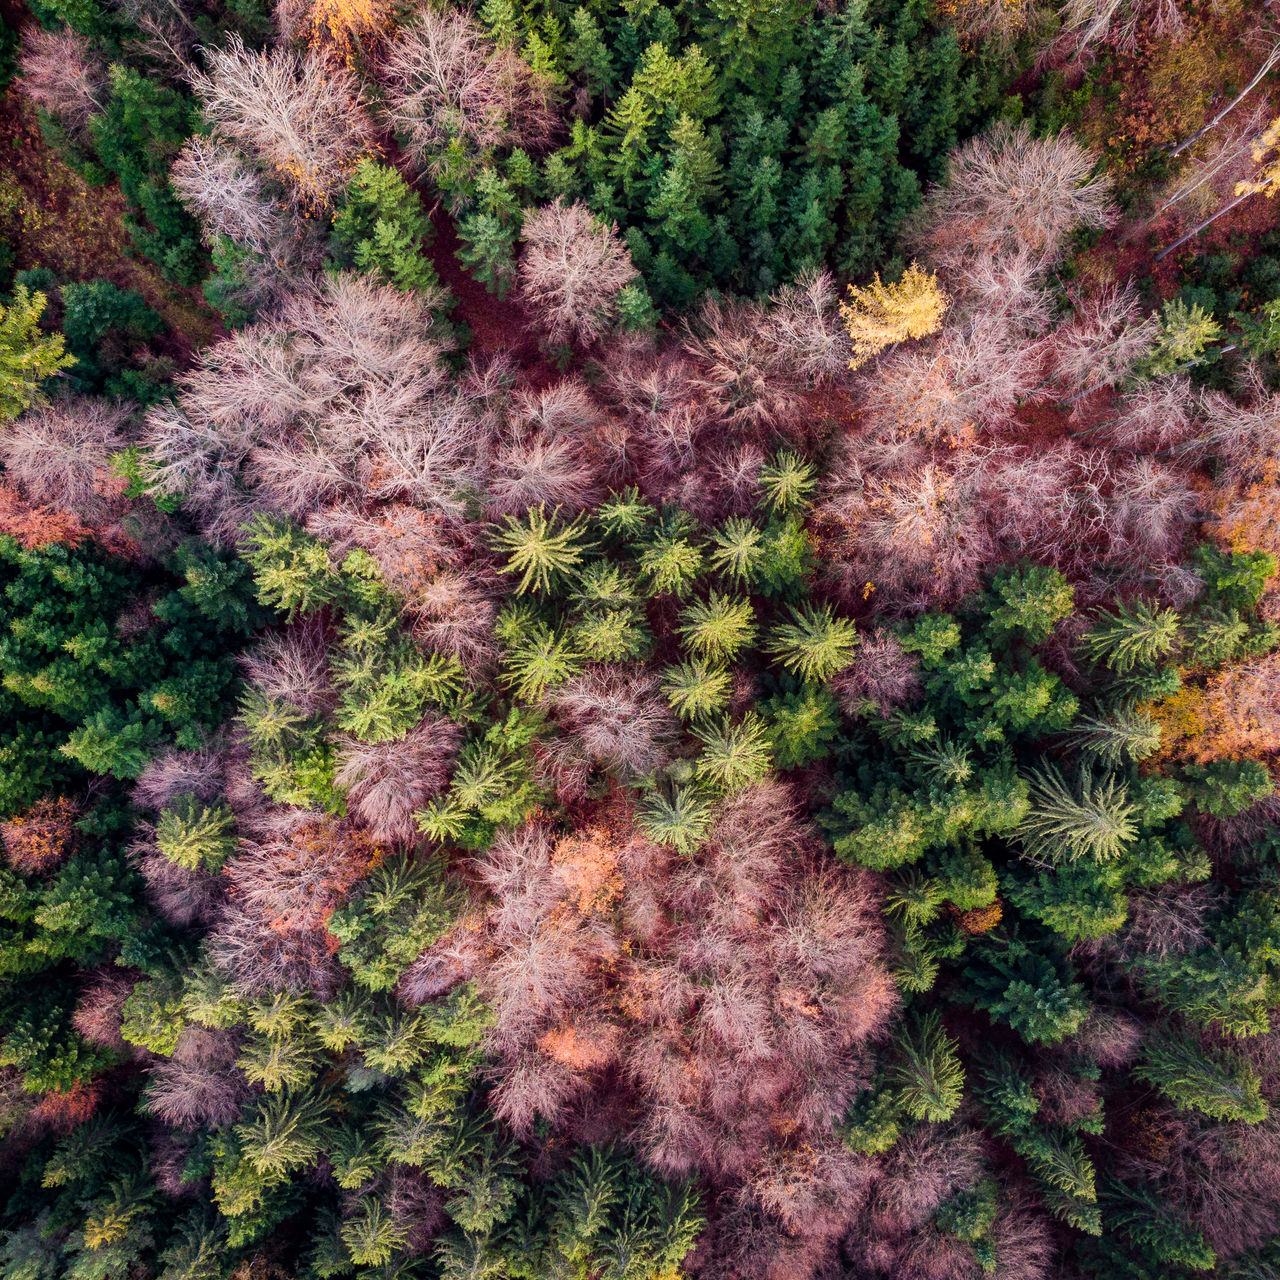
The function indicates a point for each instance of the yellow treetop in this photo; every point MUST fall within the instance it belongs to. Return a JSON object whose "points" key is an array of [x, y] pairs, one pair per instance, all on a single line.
{"points": [[1266, 152], [347, 27], [882, 314]]}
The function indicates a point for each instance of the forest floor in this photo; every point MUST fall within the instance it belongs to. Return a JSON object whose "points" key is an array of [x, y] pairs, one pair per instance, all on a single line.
{"points": [[53, 218]]}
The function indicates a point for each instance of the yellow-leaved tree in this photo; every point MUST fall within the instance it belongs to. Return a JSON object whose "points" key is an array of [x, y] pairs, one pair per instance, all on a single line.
{"points": [[27, 355], [882, 314]]}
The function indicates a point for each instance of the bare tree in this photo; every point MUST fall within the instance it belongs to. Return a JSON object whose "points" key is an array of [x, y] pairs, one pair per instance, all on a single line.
{"points": [[387, 782], [298, 113], [741, 372], [442, 79], [61, 454], [1242, 431], [62, 75], [216, 185], [292, 665], [1086, 23], [1107, 336], [617, 719], [1157, 414], [1008, 192], [801, 325], [971, 378], [341, 398], [571, 271]]}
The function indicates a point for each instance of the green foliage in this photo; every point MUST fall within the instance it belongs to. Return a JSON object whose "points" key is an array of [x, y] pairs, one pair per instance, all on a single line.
{"points": [[1185, 332], [696, 690], [382, 228], [680, 817], [1092, 820], [873, 1123], [787, 483], [493, 785], [1234, 579], [79, 688], [541, 548], [105, 326], [734, 755], [27, 356], [803, 723], [402, 908], [136, 139], [1225, 788], [738, 144], [1032, 601], [195, 835], [1137, 635], [927, 1073], [671, 560], [153, 1016], [815, 644], [1219, 1085], [1027, 987], [718, 628]]}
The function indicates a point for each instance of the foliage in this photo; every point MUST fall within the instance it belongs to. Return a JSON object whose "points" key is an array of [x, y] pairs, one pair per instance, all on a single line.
{"points": [[28, 356]]}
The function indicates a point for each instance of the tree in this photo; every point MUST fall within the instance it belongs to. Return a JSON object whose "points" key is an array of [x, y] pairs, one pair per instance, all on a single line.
{"points": [[1094, 820], [734, 755], [572, 270], [1134, 635], [719, 628], [815, 644], [880, 315], [382, 228], [1008, 193], [27, 357], [1033, 600], [63, 75], [542, 549], [298, 113], [61, 454], [928, 1075], [1222, 1086], [444, 82]]}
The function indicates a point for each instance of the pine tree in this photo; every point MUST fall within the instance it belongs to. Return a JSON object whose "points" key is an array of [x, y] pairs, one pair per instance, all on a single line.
{"points": [[734, 755], [1027, 989], [1221, 1086], [718, 628], [815, 644], [696, 689], [1133, 636], [787, 482], [1092, 821], [1116, 739], [27, 357], [541, 548], [196, 835], [738, 549], [880, 315], [1031, 600], [928, 1074], [680, 819]]}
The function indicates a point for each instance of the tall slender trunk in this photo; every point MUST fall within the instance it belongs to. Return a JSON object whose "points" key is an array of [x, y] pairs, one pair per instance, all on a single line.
{"points": [[1195, 231], [1272, 58]]}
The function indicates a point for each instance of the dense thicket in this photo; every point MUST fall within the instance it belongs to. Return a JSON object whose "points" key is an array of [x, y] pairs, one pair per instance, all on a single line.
{"points": [[494, 786]]}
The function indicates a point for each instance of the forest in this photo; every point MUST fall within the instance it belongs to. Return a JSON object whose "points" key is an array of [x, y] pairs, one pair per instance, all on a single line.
{"points": [[639, 639]]}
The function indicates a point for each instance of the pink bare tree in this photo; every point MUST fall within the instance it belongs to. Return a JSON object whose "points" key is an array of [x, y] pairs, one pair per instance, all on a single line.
{"points": [[572, 269]]}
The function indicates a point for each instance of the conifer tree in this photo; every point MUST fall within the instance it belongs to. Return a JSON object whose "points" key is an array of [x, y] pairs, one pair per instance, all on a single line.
{"points": [[880, 315], [27, 357], [928, 1075]]}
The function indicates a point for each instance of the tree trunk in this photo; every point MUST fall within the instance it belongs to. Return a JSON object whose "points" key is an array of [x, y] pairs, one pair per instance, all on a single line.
{"points": [[1272, 58], [1195, 231]]}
